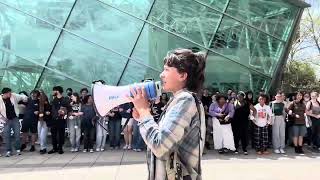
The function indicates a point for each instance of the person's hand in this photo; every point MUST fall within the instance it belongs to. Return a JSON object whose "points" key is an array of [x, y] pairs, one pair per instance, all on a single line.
{"points": [[140, 101], [318, 116], [80, 113], [47, 112], [41, 115], [290, 112], [36, 112], [71, 117], [297, 116], [219, 114]]}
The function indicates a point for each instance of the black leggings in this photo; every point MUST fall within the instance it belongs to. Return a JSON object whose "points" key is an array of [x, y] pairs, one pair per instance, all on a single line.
{"points": [[240, 133]]}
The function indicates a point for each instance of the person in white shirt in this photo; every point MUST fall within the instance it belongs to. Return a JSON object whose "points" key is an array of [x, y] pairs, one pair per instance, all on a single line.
{"points": [[9, 112], [261, 122]]}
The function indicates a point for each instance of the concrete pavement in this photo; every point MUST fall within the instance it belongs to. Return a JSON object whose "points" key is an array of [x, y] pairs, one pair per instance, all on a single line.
{"points": [[123, 165]]}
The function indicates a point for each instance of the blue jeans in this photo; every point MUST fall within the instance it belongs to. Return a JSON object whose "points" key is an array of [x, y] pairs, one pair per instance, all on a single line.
{"points": [[138, 142], [13, 124], [114, 132]]}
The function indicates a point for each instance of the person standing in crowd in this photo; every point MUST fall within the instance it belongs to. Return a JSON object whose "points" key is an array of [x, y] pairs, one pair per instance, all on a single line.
{"points": [[69, 92], [222, 113], [177, 138], [114, 128], [101, 133], [125, 112], [30, 120], [74, 122], [206, 102], [44, 117], [308, 138], [89, 118], [261, 122], [240, 122], [60, 109], [83, 93], [297, 110], [9, 113], [164, 98], [232, 98], [279, 124], [22, 105], [313, 111]]}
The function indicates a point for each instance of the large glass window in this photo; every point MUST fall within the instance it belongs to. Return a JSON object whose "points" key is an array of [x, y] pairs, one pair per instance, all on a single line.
{"points": [[247, 46], [136, 72], [275, 17], [53, 11], [24, 36], [222, 74], [139, 8], [17, 73], [104, 25], [85, 61], [51, 79], [154, 44], [186, 18]]}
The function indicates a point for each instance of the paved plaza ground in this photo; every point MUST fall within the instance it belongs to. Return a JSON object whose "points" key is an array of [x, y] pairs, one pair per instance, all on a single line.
{"points": [[124, 165]]}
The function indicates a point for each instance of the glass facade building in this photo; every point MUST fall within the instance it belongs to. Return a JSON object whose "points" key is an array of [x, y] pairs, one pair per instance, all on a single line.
{"points": [[44, 43]]}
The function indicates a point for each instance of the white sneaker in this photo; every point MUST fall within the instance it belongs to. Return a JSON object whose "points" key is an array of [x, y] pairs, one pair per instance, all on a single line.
{"points": [[18, 152], [277, 151], [125, 147], [129, 147], [72, 150], [8, 154], [91, 150], [97, 149], [84, 151], [76, 150], [282, 151], [102, 149]]}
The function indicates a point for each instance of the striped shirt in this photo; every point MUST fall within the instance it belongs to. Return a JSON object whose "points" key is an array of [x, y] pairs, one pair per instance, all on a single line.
{"points": [[177, 131]]}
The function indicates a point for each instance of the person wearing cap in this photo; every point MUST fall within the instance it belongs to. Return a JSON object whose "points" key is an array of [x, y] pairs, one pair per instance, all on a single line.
{"points": [[240, 123], [9, 112]]}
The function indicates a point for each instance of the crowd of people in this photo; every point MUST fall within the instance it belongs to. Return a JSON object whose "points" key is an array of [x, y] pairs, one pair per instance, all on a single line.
{"points": [[28, 118], [268, 122], [232, 120]]}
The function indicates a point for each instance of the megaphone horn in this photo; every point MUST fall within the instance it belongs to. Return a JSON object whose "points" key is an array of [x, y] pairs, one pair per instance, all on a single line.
{"points": [[108, 97]]}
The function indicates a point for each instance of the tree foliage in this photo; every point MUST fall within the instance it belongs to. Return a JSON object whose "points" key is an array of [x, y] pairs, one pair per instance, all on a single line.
{"points": [[300, 75]]}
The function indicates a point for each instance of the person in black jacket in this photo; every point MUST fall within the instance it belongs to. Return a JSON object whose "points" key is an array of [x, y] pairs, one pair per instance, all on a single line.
{"points": [[60, 109], [114, 128]]}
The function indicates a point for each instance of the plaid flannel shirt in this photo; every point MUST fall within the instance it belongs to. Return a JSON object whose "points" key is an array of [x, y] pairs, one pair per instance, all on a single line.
{"points": [[175, 133]]}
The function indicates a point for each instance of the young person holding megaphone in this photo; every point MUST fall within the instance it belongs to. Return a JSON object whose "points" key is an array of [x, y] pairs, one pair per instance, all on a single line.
{"points": [[175, 143]]}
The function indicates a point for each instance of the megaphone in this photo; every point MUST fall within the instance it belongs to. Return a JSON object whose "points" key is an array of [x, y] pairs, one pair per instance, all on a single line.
{"points": [[108, 97]]}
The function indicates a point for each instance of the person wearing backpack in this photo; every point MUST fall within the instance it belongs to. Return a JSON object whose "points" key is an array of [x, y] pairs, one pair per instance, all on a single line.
{"points": [[175, 144]]}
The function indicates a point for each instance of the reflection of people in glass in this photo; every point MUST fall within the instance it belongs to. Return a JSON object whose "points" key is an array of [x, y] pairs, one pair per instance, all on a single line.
{"points": [[176, 138], [233, 43]]}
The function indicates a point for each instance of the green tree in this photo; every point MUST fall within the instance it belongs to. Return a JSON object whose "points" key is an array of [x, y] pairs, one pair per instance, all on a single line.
{"points": [[299, 75]]}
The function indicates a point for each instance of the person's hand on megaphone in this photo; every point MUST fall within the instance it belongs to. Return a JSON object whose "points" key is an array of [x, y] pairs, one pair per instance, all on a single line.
{"points": [[140, 101]]}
